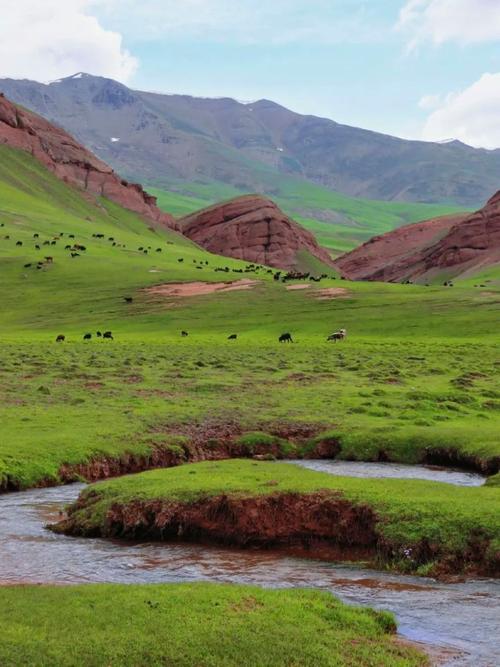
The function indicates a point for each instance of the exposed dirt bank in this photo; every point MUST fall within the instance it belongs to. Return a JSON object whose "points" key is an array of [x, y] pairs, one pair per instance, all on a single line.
{"points": [[199, 288], [172, 445], [452, 458], [211, 440], [321, 523]]}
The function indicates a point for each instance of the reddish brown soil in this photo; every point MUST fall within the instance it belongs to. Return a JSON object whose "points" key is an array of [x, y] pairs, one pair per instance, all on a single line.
{"points": [[322, 523], [199, 288], [71, 162], [254, 229], [453, 245], [278, 519], [331, 293]]}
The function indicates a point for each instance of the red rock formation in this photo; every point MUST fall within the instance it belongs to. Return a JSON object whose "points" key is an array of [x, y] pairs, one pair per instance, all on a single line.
{"points": [[71, 162], [451, 245], [254, 229]]}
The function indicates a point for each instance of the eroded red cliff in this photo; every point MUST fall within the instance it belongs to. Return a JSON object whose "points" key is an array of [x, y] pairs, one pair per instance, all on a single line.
{"points": [[71, 162], [254, 229], [450, 246]]}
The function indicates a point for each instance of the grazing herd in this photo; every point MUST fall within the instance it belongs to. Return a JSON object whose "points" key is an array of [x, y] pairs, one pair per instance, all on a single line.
{"points": [[88, 336], [341, 334]]}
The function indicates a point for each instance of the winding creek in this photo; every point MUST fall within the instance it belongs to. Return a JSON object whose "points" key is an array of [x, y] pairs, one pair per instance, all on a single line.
{"points": [[464, 617]]}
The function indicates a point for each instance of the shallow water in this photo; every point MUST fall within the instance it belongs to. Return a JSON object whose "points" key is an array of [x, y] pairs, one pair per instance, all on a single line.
{"points": [[393, 470], [465, 616]]}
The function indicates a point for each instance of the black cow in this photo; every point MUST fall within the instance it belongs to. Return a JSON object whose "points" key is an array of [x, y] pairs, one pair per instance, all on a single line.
{"points": [[98, 334], [184, 334], [61, 338], [108, 334], [27, 266], [87, 336], [35, 236], [285, 338], [232, 337], [37, 247], [19, 243], [128, 299]]}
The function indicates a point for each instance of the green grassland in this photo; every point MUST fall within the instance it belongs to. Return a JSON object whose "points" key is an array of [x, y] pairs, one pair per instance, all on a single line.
{"points": [[418, 370], [448, 520], [340, 223], [190, 625]]}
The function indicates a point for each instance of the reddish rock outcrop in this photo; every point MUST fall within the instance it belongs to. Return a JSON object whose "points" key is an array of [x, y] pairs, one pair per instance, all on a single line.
{"points": [[450, 246], [71, 162], [254, 229]]}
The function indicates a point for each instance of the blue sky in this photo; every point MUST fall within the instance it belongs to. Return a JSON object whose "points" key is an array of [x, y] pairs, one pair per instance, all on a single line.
{"points": [[414, 68]]}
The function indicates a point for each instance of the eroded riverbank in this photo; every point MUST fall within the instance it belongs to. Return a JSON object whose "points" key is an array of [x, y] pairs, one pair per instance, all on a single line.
{"points": [[461, 616]]}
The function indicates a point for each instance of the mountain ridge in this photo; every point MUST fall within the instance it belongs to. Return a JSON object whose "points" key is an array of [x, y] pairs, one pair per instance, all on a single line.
{"points": [[157, 138]]}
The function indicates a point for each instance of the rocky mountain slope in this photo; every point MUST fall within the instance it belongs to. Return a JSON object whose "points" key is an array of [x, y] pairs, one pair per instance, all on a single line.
{"points": [[449, 246], [71, 162], [254, 229], [162, 138]]}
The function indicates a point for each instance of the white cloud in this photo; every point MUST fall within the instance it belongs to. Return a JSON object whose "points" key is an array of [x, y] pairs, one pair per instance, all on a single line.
{"points": [[428, 102], [47, 39], [470, 115], [440, 21]]}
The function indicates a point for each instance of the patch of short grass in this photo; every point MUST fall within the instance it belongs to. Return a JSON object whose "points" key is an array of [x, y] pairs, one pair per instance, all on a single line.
{"points": [[190, 625]]}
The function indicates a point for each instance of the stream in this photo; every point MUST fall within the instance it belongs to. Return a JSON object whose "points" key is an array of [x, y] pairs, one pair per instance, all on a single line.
{"points": [[462, 617]]}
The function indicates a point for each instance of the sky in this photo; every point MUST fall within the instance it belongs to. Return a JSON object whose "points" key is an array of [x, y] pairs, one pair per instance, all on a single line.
{"points": [[420, 69]]}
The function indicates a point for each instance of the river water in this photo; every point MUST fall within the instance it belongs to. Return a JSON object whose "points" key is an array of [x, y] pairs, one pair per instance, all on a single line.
{"points": [[462, 616]]}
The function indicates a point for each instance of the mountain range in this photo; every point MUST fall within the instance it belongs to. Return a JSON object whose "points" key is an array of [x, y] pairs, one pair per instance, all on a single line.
{"points": [[162, 140]]}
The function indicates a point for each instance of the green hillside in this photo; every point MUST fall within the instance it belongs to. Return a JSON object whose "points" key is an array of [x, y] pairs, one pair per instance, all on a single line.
{"points": [[340, 223], [416, 373]]}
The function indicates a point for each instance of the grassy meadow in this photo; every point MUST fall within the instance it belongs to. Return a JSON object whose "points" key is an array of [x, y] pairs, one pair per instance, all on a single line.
{"points": [[416, 380], [190, 625], [418, 371]]}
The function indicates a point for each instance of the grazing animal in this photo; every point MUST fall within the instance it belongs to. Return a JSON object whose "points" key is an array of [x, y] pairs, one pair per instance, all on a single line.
{"points": [[338, 335], [232, 337], [37, 247], [35, 235], [49, 259], [158, 249], [181, 259], [87, 336], [108, 334], [184, 334], [61, 338], [19, 243], [67, 247], [53, 242], [98, 334], [285, 338], [71, 236], [128, 299], [75, 254], [27, 266]]}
